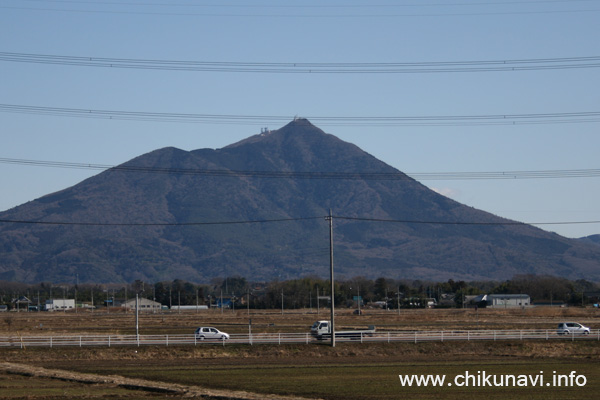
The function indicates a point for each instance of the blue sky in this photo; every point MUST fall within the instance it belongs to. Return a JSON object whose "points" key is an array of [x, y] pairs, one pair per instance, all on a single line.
{"points": [[315, 32]]}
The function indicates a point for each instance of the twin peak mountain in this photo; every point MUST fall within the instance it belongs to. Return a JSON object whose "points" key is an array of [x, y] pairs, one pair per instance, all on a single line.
{"points": [[169, 215]]}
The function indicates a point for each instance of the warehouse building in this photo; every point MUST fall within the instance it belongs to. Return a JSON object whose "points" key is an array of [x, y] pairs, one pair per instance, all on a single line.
{"points": [[60, 305], [143, 305]]}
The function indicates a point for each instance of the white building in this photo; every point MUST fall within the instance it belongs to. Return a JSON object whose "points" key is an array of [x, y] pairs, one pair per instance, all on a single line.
{"points": [[143, 305], [60, 304], [504, 300]]}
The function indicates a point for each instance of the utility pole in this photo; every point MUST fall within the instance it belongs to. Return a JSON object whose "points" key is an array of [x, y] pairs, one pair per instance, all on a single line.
{"points": [[386, 299], [76, 287], [330, 218], [318, 301], [137, 319]]}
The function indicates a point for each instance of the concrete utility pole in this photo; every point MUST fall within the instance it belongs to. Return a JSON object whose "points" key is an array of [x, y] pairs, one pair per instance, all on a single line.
{"points": [[330, 218], [137, 319]]}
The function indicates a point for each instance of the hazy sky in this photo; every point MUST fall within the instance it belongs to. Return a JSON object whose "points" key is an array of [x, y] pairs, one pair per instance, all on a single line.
{"points": [[548, 72]]}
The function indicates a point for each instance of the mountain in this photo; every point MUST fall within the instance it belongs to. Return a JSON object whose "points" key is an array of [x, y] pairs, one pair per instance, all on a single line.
{"points": [[595, 239], [257, 208]]}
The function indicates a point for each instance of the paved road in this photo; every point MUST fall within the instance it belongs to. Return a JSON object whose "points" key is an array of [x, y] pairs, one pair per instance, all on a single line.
{"points": [[283, 338]]}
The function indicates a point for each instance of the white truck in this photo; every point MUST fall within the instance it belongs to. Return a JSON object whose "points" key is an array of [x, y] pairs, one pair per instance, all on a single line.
{"points": [[322, 330]]}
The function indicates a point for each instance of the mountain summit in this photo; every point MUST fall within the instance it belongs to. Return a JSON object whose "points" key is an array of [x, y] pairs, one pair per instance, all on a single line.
{"points": [[257, 208]]}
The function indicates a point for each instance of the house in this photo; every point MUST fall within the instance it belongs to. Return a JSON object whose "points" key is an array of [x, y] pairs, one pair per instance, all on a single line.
{"points": [[60, 305], [21, 304], [446, 300], [225, 302], [111, 302], [143, 305], [502, 300], [431, 302]]}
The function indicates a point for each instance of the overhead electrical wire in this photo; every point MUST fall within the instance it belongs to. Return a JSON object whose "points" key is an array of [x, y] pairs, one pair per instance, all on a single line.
{"points": [[333, 6], [240, 222], [133, 224], [313, 68], [298, 11], [485, 175], [433, 222], [311, 175], [487, 119], [310, 68]]}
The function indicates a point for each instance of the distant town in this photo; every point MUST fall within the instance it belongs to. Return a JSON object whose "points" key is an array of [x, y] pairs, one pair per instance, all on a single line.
{"points": [[358, 293]]}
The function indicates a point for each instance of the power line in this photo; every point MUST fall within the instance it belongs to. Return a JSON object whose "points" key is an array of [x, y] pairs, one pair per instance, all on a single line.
{"points": [[239, 222], [318, 6], [149, 224], [541, 174], [489, 175], [310, 68], [297, 11], [464, 222], [487, 119]]}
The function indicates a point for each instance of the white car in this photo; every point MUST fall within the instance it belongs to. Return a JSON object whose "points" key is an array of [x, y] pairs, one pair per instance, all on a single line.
{"points": [[565, 328], [210, 333]]}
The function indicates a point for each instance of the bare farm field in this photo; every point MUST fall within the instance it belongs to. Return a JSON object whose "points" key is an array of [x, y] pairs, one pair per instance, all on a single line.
{"points": [[516, 369], [119, 322]]}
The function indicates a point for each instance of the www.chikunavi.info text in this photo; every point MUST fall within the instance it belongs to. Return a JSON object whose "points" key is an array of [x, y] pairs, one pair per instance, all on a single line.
{"points": [[483, 379]]}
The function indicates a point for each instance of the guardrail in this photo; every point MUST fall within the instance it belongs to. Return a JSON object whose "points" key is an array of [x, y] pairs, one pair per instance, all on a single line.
{"points": [[284, 338]]}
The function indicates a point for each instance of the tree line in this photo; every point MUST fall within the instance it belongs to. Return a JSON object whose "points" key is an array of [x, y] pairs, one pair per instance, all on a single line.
{"points": [[237, 291]]}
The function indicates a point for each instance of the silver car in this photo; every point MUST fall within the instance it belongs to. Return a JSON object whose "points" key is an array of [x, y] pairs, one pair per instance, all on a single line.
{"points": [[565, 328], [210, 333]]}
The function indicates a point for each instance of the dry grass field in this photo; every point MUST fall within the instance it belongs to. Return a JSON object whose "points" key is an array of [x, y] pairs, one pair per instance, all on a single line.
{"points": [[349, 371], [119, 322]]}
